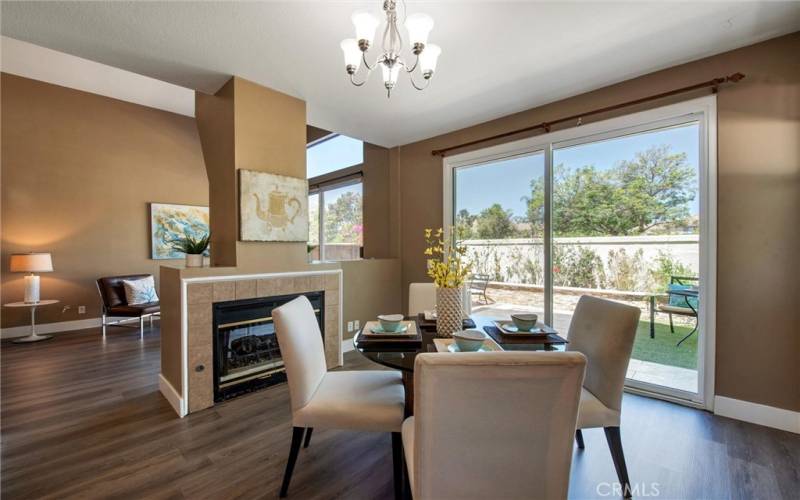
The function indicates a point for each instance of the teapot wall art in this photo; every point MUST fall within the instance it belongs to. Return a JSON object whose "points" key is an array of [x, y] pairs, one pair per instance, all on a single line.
{"points": [[272, 207]]}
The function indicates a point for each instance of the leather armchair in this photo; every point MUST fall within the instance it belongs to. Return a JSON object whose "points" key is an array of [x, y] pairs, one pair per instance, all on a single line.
{"points": [[114, 303]]}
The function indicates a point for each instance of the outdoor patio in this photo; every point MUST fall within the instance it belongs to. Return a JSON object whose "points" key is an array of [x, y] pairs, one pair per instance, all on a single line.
{"points": [[658, 360]]}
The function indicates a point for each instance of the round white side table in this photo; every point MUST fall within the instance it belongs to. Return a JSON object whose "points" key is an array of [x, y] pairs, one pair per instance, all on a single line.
{"points": [[32, 305]]}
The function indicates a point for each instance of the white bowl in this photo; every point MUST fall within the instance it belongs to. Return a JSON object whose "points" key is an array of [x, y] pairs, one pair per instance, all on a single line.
{"points": [[390, 322], [469, 340]]}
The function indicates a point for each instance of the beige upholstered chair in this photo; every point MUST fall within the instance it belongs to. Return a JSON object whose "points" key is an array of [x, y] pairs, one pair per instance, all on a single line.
{"points": [[493, 425], [422, 297], [353, 400], [604, 331]]}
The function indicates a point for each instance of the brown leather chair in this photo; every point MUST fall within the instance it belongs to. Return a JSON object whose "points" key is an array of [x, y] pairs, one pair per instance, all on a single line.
{"points": [[112, 296]]}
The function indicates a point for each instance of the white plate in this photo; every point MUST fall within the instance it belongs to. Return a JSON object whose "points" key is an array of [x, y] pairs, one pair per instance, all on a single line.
{"points": [[378, 330], [449, 345], [510, 328]]}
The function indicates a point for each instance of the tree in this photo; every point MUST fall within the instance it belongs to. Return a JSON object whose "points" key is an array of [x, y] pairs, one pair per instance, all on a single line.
{"points": [[343, 219], [494, 223], [464, 223], [632, 197]]}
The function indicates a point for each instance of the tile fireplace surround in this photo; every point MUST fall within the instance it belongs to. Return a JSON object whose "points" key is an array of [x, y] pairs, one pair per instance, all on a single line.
{"points": [[186, 378]]}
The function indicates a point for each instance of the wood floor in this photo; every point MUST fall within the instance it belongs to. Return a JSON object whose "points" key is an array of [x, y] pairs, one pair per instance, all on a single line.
{"points": [[82, 417]]}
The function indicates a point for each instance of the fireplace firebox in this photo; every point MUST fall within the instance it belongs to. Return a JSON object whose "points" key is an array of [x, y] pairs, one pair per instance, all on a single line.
{"points": [[247, 356]]}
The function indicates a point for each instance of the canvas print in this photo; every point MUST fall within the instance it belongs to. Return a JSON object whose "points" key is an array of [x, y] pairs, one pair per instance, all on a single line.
{"points": [[168, 222], [272, 207]]}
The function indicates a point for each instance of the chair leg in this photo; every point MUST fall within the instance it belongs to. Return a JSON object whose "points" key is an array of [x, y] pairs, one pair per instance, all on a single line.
{"points": [[397, 462], [697, 323], [297, 439], [671, 326], [308, 437], [579, 439], [615, 446], [141, 326]]}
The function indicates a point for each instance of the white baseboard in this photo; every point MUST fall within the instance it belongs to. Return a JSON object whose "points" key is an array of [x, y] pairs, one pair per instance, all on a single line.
{"points": [[171, 395], [347, 345], [755, 413], [60, 326]]}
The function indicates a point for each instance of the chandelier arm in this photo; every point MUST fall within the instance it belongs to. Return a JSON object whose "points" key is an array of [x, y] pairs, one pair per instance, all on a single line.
{"points": [[414, 66], [366, 64], [427, 83], [357, 84]]}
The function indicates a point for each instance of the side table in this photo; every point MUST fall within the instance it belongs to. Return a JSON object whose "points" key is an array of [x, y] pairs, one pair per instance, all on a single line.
{"points": [[32, 305]]}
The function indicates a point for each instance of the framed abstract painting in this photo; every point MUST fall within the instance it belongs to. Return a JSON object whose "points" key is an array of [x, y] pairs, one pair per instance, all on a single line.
{"points": [[169, 221], [272, 207]]}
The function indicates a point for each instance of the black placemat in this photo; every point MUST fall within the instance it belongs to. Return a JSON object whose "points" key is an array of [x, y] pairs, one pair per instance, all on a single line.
{"points": [[498, 336]]}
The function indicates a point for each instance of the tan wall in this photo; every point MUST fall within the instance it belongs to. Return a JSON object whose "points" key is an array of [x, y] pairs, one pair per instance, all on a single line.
{"points": [[371, 287], [78, 172], [758, 338]]}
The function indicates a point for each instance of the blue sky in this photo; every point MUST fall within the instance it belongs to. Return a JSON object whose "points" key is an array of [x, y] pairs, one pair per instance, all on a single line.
{"points": [[333, 154], [507, 181]]}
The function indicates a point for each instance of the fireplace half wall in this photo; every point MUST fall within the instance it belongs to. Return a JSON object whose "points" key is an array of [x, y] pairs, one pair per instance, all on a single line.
{"points": [[187, 378]]}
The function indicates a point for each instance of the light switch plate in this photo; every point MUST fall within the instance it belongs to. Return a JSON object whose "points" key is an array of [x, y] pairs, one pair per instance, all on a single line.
{"points": [[349, 326], [356, 325], [81, 309]]}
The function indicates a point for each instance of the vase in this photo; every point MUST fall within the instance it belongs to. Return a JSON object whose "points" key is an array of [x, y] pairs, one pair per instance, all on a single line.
{"points": [[449, 311], [194, 260]]}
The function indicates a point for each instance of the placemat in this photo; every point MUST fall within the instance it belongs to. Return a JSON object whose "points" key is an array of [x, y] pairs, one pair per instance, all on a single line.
{"points": [[498, 336], [431, 324]]}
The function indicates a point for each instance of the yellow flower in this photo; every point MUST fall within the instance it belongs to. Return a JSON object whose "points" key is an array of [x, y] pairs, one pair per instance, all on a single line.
{"points": [[428, 251]]}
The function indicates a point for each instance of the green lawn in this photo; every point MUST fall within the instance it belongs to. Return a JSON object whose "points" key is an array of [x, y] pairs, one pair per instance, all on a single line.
{"points": [[662, 349]]}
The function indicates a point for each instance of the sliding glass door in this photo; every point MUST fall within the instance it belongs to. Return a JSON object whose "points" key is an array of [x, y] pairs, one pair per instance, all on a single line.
{"points": [[622, 210]]}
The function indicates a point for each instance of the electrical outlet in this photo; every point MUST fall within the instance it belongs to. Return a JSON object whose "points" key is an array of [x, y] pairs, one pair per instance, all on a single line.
{"points": [[349, 326], [81, 309], [356, 325]]}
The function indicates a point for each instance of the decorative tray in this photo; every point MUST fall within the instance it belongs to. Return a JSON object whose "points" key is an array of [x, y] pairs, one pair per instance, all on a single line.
{"points": [[449, 345]]}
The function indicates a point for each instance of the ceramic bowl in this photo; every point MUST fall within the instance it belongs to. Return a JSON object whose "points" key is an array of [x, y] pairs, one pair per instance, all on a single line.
{"points": [[525, 322], [469, 340], [391, 322]]}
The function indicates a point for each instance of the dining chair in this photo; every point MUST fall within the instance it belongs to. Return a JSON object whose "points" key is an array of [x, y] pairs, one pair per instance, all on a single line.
{"points": [[493, 425], [604, 331], [422, 297], [371, 401]]}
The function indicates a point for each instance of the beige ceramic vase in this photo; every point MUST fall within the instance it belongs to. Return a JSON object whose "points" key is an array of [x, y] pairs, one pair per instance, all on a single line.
{"points": [[449, 311]]}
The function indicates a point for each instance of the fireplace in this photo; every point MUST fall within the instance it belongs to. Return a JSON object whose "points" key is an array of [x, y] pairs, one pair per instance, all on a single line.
{"points": [[247, 356]]}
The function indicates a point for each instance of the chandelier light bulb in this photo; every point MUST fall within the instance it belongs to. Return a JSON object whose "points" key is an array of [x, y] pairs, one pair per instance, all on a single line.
{"points": [[390, 72], [427, 60], [365, 24], [352, 55], [419, 27]]}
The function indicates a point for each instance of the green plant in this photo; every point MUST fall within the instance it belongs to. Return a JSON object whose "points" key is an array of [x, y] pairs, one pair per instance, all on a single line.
{"points": [[191, 245], [666, 267], [626, 271], [577, 266]]}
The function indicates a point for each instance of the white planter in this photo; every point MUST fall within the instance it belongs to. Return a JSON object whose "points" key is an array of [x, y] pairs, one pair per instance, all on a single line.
{"points": [[449, 311], [194, 260]]}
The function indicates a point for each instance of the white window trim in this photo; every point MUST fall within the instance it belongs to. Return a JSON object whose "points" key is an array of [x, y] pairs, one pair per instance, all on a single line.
{"points": [[705, 109]]}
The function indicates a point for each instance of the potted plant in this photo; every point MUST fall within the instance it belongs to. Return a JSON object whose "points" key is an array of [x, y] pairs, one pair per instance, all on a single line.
{"points": [[194, 248], [449, 269]]}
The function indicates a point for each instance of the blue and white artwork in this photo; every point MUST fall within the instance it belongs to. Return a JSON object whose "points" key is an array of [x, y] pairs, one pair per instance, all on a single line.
{"points": [[168, 222]]}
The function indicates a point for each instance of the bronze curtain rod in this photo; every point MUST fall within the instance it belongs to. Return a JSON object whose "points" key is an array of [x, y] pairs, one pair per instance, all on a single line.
{"points": [[714, 84]]}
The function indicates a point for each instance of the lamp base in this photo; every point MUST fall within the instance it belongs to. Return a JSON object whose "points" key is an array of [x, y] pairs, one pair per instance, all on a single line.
{"points": [[31, 289], [31, 338]]}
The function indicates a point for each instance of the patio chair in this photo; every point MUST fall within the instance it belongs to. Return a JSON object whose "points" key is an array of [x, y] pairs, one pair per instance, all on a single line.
{"points": [[478, 285], [681, 304]]}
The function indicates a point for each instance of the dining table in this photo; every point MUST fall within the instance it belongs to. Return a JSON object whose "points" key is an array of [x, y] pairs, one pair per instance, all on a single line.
{"points": [[400, 356]]}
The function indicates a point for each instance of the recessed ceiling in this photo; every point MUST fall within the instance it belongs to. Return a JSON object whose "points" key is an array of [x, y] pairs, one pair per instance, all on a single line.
{"points": [[497, 57]]}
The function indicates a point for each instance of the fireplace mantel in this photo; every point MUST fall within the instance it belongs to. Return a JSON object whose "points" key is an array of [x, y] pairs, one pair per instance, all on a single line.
{"points": [[187, 298]]}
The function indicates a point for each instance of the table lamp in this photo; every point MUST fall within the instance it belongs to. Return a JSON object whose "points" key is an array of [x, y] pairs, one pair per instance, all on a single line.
{"points": [[31, 263]]}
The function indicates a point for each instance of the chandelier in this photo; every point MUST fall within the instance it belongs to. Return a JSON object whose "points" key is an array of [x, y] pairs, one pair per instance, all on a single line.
{"points": [[418, 26]]}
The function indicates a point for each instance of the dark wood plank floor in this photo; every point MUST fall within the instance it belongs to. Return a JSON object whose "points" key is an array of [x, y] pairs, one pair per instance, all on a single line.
{"points": [[82, 417]]}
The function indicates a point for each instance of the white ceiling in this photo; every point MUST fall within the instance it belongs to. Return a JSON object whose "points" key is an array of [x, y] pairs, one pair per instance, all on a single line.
{"points": [[497, 57]]}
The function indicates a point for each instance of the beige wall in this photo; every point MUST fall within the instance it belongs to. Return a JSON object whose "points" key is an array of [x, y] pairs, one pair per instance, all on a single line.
{"points": [[78, 172], [371, 287], [758, 337]]}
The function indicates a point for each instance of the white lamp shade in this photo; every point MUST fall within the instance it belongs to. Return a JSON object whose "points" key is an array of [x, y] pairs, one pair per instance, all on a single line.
{"points": [[428, 58], [31, 263], [352, 54], [390, 73], [419, 26], [365, 24]]}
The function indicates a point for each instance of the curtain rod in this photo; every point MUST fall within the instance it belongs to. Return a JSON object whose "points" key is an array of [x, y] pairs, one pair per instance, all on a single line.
{"points": [[714, 84]]}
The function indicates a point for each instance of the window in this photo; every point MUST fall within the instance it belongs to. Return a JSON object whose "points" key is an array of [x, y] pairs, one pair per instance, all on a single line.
{"points": [[335, 199]]}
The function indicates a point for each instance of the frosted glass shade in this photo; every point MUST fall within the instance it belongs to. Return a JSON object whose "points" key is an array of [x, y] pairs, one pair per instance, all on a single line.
{"points": [[419, 26], [428, 58], [352, 54], [31, 263], [365, 24]]}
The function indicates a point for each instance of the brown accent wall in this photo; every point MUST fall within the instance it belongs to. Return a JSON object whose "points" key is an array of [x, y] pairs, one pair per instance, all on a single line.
{"points": [[78, 172], [758, 282]]}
